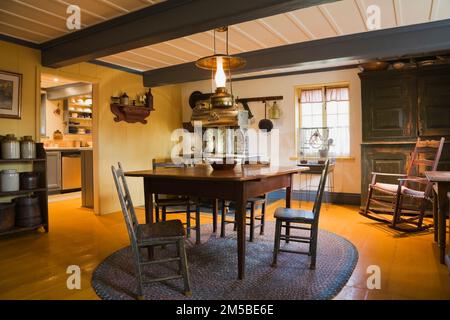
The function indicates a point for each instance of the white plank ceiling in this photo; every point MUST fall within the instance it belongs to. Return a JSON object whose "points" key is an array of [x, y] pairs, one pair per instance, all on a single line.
{"points": [[38, 21], [329, 20], [42, 20]]}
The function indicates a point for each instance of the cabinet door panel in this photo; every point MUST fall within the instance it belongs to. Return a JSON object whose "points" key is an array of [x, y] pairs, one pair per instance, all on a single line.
{"points": [[54, 171], [389, 107], [434, 104], [384, 159]]}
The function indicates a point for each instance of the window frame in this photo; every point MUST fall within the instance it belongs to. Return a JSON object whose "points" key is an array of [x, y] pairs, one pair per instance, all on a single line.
{"points": [[298, 113]]}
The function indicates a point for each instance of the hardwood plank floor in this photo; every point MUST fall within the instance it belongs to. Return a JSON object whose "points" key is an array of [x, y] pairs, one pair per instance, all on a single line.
{"points": [[33, 265]]}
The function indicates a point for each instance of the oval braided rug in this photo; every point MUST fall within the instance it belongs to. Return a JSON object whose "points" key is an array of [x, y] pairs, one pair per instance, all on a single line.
{"points": [[213, 270]]}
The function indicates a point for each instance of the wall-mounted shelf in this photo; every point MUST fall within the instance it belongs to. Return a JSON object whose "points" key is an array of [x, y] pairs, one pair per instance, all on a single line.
{"points": [[130, 114]]}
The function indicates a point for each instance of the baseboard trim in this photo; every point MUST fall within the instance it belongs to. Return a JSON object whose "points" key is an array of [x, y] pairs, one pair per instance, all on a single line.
{"points": [[328, 197]]}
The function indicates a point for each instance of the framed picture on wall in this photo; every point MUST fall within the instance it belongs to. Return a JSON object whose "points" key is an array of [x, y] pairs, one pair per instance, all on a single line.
{"points": [[10, 95]]}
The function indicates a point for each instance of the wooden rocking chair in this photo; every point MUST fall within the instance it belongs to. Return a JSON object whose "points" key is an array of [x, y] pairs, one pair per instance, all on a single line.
{"points": [[410, 186]]}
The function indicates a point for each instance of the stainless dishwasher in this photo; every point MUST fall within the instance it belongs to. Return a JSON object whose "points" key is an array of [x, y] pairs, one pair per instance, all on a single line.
{"points": [[71, 170]]}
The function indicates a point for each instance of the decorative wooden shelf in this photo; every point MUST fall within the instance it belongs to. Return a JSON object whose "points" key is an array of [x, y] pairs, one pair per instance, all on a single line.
{"points": [[130, 114]]}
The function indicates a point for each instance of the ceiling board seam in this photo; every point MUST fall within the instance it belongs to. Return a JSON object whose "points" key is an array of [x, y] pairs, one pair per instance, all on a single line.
{"points": [[115, 66], [182, 49], [44, 11], [115, 6], [398, 12], [164, 53], [204, 46], [119, 56], [327, 15], [362, 12], [149, 58], [272, 30], [297, 22], [26, 30], [259, 43], [434, 10], [85, 11], [230, 43], [33, 20], [124, 62]]}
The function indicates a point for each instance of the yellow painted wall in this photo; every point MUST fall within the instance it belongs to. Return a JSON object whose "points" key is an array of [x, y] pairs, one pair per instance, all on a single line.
{"points": [[132, 144], [19, 59]]}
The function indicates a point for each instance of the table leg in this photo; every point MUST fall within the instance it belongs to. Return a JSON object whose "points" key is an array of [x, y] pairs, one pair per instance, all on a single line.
{"points": [[215, 205], [148, 198], [288, 205], [241, 205], [447, 258], [442, 215]]}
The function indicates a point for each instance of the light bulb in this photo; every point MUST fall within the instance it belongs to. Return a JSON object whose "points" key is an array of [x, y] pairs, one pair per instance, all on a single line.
{"points": [[220, 77]]}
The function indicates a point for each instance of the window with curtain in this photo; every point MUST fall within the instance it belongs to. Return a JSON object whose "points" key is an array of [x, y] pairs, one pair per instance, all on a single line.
{"points": [[325, 117]]}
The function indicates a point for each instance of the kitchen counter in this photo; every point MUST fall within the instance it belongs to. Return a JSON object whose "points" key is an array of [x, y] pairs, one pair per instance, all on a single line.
{"points": [[71, 169], [68, 149]]}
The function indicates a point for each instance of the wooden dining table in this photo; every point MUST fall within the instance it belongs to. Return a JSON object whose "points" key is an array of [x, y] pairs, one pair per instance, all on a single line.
{"points": [[236, 185], [441, 180]]}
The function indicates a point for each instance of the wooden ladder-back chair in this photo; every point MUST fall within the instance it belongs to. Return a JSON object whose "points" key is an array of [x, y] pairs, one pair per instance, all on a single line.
{"points": [[169, 204], [151, 235], [412, 186], [298, 219]]}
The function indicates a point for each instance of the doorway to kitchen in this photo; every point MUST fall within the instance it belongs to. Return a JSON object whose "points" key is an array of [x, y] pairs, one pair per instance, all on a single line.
{"points": [[66, 125]]}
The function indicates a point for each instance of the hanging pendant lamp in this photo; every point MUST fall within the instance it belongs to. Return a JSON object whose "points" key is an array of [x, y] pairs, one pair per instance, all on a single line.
{"points": [[220, 64]]}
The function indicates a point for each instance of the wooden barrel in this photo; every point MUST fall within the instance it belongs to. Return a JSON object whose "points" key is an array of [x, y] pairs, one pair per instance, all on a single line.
{"points": [[28, 213], [7, 216]]}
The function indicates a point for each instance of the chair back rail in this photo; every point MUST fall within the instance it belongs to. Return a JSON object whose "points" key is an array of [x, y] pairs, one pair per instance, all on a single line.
{"points": [[126, 204], [424, 148], [320, 191], [165, 163]]}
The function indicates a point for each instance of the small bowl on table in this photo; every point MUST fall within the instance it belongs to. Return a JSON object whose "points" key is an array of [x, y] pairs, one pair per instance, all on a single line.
{"points": [[223, 165]]}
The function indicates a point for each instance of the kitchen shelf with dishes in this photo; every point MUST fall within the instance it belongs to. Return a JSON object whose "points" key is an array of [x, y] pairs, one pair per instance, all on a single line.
{"points": [[78, 115], [28, 209]]}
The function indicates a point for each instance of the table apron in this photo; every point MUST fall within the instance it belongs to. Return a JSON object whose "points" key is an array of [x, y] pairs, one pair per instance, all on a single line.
{"points": [[217, 189]]}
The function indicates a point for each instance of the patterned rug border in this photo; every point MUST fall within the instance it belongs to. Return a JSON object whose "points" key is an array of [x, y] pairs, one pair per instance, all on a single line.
{"points": [[327, 294]]}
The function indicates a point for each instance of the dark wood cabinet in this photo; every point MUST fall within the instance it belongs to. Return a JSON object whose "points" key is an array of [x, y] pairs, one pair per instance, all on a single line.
{"points": [[389, 107], [434, 102], [397, 108]]}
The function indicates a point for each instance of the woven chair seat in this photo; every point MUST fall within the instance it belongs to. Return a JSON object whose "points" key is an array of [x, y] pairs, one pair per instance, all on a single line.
{"points": [[160, 230], [392, 189], [294, 215]]}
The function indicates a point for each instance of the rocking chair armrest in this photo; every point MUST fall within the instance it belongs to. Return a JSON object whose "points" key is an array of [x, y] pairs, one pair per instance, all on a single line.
{"points": [[389, 174], [413, 179], [375, 174]]}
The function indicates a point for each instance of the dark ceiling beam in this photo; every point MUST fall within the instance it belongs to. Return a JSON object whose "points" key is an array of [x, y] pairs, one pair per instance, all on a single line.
{"points": [[158, 23], [380, 44]]}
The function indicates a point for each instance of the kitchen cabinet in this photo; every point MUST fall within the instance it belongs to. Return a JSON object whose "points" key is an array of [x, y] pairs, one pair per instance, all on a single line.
{"points": [[54, 171]]}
